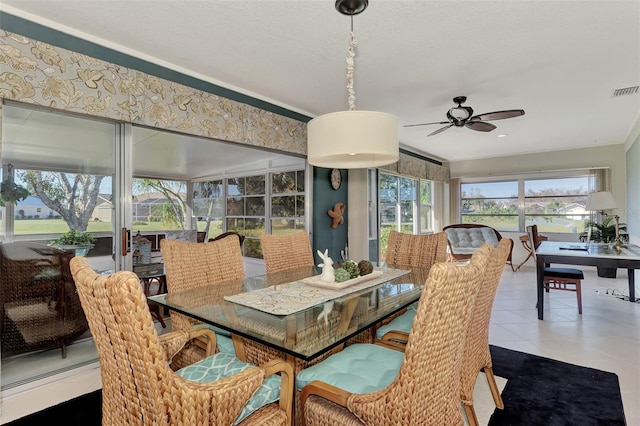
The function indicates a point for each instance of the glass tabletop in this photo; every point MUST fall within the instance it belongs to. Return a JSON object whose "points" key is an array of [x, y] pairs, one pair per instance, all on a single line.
{"points": [[306, 333]]}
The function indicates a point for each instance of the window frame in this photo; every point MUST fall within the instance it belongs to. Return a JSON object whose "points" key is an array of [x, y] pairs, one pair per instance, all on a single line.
{"points": [[524, 218]]}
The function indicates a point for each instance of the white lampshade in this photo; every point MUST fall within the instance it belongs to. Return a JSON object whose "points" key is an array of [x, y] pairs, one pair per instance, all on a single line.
{"points": [[352, 140], [599, 201]]}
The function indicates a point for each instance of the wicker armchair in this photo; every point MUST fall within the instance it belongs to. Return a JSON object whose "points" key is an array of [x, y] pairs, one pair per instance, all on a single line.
{"points": [[282, 252], [426, 389], [472, 235], [39, 307], [138, 385], [190, 265]]}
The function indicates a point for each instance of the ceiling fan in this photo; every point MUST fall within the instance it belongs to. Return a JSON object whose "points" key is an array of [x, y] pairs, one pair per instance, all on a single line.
{"points": [[463, 116]]}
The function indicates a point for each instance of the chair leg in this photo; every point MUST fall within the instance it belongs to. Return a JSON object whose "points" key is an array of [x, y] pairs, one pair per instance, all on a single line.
{"points": [[579, 295], [493, 386], [472, 419]]}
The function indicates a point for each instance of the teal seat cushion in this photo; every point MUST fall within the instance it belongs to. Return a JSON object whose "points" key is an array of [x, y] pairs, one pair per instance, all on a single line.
{"points": [[219, 331], [223, 365], [359, 368], [223, 339], [402, 323]]}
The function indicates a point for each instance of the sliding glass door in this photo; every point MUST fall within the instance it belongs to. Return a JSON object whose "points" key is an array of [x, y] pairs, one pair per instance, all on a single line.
{"points": [[58, 175]]}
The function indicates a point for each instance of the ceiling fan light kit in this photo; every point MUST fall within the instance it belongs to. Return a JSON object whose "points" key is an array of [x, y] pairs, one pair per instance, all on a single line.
{"points": [[462, 116], [352, 139]]}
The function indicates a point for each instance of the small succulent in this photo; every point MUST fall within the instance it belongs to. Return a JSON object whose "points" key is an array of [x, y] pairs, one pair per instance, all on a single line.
{"points": [[365, 267], [352, 268], [342, 275]]}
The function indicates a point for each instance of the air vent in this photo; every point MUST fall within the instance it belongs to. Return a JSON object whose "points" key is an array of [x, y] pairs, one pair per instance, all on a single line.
{"points": [[626, 91]]}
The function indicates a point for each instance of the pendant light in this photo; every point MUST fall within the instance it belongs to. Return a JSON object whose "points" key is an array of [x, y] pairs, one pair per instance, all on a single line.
{"points": [[352, 139]]}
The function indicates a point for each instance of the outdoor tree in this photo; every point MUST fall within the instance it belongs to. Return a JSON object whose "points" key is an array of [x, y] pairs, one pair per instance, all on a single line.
{"points": [[73, 196], [173, 212]]}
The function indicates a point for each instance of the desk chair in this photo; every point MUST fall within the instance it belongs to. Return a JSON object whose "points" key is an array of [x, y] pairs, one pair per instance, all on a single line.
{"points": [[566, 279]]}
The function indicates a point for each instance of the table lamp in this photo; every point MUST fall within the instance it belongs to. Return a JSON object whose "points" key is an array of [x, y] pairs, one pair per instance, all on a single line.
{"points": [[603, 201]]}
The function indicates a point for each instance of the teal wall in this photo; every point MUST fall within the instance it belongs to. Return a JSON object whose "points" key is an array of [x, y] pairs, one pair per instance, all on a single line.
{"points": [[324, 199]]}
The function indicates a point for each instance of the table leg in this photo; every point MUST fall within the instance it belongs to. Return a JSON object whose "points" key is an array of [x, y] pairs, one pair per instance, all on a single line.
{"points": [[540, 285], [524, 261], [632, 284]]}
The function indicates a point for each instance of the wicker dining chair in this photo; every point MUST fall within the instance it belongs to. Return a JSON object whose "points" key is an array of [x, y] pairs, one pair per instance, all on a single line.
{"points": [[282, 252], [419, 387], [477, 356], [421, 251], [191, 265], [138, 385], [416, 250], [566, 279]]}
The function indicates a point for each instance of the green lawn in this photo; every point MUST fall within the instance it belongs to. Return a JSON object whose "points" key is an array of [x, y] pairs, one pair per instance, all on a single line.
{"points": [[59, 226]]}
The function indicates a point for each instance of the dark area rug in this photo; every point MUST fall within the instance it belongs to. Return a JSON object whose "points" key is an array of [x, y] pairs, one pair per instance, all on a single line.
{"points": [[546, 392], [539, 392]]}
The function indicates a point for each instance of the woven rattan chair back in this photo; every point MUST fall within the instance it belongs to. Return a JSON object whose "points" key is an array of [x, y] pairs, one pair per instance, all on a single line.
{"points": [[416, 250], [191, 265], [426, 390], [476, 353], [138, 386], [282, 252]]}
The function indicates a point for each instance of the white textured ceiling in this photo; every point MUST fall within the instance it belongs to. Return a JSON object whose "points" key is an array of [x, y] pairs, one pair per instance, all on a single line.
{"points": [[560, 61]]}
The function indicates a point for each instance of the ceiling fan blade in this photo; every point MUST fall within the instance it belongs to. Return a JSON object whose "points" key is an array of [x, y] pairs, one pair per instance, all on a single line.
{"points": [[480, 126], [425, 124], [498, 115], [440, 130]]}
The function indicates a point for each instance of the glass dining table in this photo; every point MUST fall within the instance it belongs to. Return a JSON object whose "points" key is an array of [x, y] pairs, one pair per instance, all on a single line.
{"points": [[301, 319]]}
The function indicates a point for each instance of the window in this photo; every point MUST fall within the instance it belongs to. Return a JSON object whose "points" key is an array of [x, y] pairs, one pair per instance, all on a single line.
{"points": [[494, 204], [159, 204], [404, 206], [287, 202], [555, 204], [251, 205], [426, 206], [60, 201]]}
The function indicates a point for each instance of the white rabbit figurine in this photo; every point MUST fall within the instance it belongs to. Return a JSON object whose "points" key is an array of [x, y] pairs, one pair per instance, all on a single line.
{"points": [[328, 274]]}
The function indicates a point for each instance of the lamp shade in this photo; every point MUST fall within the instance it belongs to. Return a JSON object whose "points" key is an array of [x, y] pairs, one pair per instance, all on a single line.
{"points": [[352, 139], [598, 201]]}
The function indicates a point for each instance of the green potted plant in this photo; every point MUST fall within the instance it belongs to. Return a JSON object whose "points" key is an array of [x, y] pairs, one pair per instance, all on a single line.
{"points": [[605, 232], [11, 192], [80, 241]]}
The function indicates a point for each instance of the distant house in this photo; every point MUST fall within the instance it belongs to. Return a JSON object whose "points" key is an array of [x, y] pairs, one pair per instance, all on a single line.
{"points": [[144, 205], [574, 211], [33, 208], [104, 209]]}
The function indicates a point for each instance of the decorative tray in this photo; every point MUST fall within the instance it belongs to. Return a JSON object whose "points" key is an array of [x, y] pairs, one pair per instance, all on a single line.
{"points": [[317, 282]]}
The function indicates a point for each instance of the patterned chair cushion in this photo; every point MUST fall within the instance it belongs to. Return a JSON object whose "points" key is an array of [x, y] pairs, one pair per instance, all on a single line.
{"points": [[223, 365], [467, 240], [359, 368]]}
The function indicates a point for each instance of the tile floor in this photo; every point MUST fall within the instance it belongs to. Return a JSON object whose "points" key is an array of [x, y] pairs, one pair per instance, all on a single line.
{"points": [[606, 336]]}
